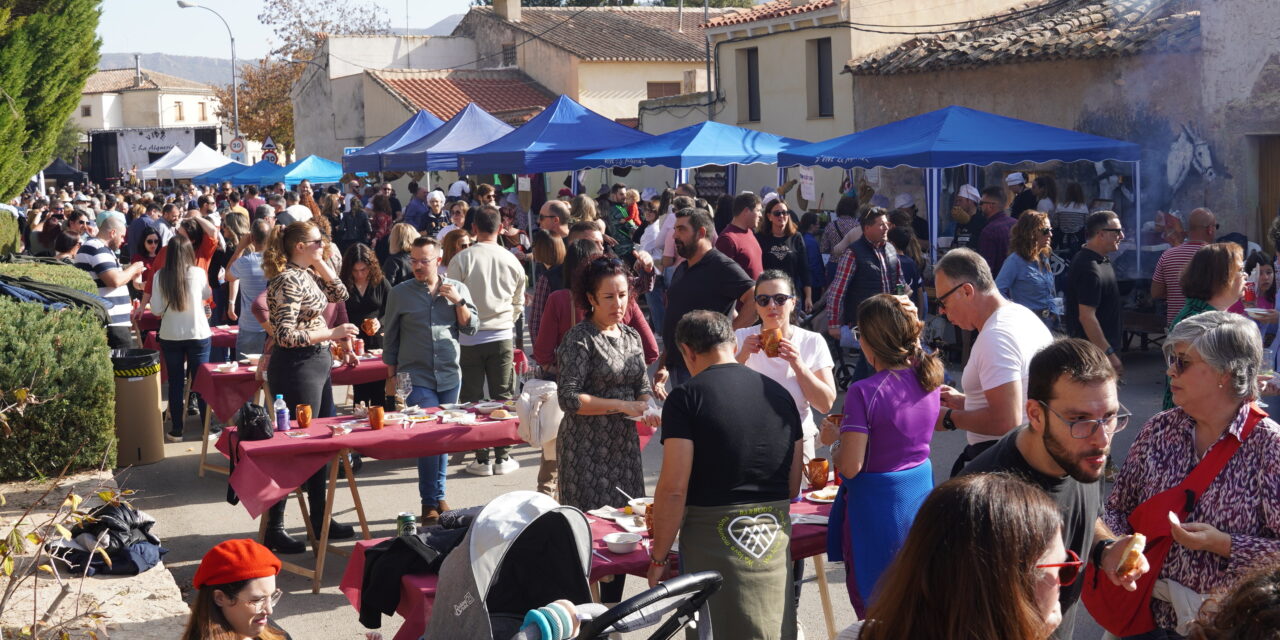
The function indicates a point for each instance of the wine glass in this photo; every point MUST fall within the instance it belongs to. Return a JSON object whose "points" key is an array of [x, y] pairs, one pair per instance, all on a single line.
{"points": [[404, 387]]}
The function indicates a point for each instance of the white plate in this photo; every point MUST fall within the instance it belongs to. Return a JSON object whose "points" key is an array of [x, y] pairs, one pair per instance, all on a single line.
{"points": [[1255, 312], [251, 369], [818, 497], [488, 407]]}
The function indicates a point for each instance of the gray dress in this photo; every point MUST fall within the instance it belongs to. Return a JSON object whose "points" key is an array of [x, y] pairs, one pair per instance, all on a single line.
{"points": [[598, 453]]}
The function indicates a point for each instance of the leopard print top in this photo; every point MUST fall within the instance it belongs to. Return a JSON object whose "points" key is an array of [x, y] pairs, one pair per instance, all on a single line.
{"points": [[296, 298]]}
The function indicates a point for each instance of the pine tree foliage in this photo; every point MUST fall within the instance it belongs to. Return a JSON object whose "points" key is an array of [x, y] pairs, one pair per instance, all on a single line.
{"points": [[48, 48]]}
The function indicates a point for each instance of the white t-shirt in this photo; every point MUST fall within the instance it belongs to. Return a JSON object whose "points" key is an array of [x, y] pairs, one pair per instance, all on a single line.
{"points": [[1002, 354], [444, 232], [190, 323], [458, 188], [813, 353]]}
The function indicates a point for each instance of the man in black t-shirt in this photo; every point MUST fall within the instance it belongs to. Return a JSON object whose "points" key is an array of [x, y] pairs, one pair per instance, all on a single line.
{"points": [[707, 280], [731, 442], [1092, 295], [1073, 411]]}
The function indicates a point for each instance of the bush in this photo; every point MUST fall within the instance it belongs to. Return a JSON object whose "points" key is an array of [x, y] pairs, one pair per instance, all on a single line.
{"points": [[51, 353], [63, 274], [9, 235]]}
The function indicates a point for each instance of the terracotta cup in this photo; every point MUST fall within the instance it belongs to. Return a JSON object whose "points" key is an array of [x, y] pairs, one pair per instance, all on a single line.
{"points": [[376, 414], [303, 411], [817, 472]]}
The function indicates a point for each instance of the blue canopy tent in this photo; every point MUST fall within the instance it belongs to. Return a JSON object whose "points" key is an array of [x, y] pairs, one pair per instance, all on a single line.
{"points": [[253, 174], [368, 159], [313, 168], [438, 151], [550, 141], [957, 136], [705, 143], [225, 172]]}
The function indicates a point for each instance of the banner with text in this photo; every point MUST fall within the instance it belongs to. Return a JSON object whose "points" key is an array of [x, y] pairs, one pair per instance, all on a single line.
{"points": [[135, 146]]}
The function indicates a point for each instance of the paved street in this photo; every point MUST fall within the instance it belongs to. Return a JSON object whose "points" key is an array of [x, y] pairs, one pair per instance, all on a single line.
{"points": [[193, 514]]}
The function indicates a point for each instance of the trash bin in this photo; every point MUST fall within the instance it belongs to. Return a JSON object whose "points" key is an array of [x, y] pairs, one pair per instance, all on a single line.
{"points": [[139, 423]]}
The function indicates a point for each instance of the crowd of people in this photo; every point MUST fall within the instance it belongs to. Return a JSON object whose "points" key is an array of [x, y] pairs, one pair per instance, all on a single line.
{"points": [[702, 318]]}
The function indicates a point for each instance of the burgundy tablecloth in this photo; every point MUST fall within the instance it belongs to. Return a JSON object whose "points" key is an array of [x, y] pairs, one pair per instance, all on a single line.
{"points": [[268, 470], [227, 392], [418, 592], [148, 322]]}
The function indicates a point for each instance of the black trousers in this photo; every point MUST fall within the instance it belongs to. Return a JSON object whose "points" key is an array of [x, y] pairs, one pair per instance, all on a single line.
{"points": [[301, 375]]}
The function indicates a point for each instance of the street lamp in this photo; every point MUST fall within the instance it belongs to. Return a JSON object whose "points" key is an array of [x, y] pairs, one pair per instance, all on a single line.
{"points": [[235, 87]]}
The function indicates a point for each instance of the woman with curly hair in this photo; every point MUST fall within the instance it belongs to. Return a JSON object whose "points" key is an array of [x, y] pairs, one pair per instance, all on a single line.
{"points": [[1025, 277], [367, 292]]}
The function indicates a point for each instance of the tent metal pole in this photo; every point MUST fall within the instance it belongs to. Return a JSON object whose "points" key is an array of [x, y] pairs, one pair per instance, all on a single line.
{"points": [[731, 179], [1137, 215], [933, 194]]}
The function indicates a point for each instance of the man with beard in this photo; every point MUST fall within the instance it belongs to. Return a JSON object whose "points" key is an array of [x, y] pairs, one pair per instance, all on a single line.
{"points": [[707, 280], [1073, 411]]}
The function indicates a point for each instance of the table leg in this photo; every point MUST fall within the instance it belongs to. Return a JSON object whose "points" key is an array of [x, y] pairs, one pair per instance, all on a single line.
{"points": [[323, 546], [824, 593], [355, 493], [204, 449], [306, 520]]}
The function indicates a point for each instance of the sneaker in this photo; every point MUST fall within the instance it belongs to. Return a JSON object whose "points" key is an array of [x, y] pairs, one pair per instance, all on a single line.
{"points": [[172, 437], [480, 468], [506, 466]]}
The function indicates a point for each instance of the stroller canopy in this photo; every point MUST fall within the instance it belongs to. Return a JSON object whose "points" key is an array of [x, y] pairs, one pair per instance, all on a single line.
{"points": [[523, 551]]}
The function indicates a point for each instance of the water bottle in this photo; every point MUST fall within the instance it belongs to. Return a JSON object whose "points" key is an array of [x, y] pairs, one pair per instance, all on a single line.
{"points": [[282, 413]]}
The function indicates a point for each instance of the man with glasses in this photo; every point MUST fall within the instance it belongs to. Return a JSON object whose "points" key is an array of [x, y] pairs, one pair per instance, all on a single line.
{"points": [[423, 317], [1073, 411], [1092, 295], [995, 375], [993, 243], [554, 218], [1166, 283]]}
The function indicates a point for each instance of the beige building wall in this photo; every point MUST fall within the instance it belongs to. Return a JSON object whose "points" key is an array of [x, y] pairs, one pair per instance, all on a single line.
{"points": [[551, 67], [615, 89], [141, 109]]}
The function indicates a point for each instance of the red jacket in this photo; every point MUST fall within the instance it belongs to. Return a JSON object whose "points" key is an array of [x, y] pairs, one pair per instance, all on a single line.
{"points": [[556, 322]]}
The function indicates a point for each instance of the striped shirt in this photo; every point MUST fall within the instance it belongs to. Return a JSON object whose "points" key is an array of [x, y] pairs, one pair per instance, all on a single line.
{"points": [[1169, 271], [96, 258]]}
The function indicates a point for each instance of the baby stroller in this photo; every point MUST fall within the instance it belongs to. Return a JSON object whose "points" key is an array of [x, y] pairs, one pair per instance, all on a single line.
{"points": [[523, 551], [844, 358]]}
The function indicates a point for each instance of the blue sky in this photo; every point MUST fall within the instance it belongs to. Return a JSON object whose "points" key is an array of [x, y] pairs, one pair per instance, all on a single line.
{"points": [[160, 26]]}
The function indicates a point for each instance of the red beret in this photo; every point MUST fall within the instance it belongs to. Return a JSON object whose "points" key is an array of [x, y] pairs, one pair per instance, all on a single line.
{"points": [[236, 560]]}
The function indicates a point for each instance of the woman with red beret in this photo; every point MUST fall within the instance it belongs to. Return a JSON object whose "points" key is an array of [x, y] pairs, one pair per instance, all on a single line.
{"points": [[236, 593]]}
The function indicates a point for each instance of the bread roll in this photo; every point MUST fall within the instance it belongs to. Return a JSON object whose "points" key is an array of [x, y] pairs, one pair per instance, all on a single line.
{"points": [[770, 340], [1132, 554]]}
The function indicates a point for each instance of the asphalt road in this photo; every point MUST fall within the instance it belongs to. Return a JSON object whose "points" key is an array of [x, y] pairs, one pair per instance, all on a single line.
{"points": [[193, 515]]}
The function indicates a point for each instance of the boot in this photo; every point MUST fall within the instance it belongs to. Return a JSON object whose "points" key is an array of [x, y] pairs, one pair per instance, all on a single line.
{"points": [[431, 513], [315, 501], [277, 539]]}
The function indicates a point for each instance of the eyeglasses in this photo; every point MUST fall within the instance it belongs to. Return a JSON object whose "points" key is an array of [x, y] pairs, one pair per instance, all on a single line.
{"points": [[777, 298], [781, 213], [547, 217], [259, 604], [1085, 428], [152, 241], [1046, 231], [1178, 363], [421, 261], [942, 301], [1067, 571], [990, 202], [1112, 230]]}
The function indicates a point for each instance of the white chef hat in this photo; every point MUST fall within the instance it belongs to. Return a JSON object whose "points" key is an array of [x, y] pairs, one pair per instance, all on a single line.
{"points": [[1015, 178], [903, 201], [970, 192]]}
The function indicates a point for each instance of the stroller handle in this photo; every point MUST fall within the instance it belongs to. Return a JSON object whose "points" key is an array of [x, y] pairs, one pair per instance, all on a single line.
{"points": [[696, 587]]}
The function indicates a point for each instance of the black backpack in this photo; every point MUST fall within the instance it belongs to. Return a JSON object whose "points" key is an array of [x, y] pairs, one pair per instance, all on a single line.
{"points": [[252, 423]]}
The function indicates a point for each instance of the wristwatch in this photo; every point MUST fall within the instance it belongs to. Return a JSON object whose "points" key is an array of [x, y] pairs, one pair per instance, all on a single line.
{"points": [[1099, 547], [1109, 351], [946, 421]]}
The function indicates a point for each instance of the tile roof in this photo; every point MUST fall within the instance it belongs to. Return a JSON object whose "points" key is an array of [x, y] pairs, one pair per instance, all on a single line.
{"points": [[508, 94], [767, 10], [628, 33], [119, 80], [1066, 29]]}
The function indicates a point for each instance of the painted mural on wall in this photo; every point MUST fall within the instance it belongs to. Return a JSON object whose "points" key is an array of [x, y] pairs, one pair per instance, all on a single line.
{"points": [[1179, 163]]}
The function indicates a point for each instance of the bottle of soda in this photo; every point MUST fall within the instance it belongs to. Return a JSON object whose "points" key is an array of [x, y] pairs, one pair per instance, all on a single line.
{"points": [[900, 289], [282, 413]]}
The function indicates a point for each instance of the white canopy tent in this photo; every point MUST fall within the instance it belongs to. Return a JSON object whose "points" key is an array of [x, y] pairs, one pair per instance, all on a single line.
{"points": [[170, 158], [202, 159]]}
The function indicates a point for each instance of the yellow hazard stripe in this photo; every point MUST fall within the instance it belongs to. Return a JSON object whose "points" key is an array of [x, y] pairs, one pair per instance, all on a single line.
{"points": [[140, 372]]}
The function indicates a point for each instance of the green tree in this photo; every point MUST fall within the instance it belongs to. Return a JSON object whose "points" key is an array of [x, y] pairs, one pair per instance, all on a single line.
{"points": [[67, 146], [48, 48]]}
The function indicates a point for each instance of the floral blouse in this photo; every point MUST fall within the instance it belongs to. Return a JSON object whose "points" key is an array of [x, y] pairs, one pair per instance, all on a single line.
{"points": [[1243, 501], [296, 298]]}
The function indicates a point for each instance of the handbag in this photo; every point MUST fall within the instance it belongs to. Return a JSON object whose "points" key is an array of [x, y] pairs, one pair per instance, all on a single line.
{"points": [[1127, 613], [252, 423]]}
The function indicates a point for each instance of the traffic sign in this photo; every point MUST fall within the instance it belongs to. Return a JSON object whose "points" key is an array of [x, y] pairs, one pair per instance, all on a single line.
{"points": [[346, 151], [270, 156], [268, 144], [236, 145]]}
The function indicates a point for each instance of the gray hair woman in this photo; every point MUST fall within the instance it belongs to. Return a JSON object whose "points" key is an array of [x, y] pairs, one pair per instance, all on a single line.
{"points": [[1213, 360]]}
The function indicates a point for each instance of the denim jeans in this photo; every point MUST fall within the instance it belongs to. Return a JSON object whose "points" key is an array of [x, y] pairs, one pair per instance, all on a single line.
{"points": [[181, 359], [657, 300], [432, 469]]}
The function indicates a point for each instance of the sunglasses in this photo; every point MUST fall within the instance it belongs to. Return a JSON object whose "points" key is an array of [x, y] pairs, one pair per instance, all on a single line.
{"points": [[1178, 363], [942, 302], [777, 298], [1046, 231], [1067, 571], [779, 213], [1117, 230], [317, 242], [152, 241]]}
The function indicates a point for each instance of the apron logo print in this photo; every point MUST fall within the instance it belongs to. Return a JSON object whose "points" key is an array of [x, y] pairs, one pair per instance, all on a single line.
{"points": [[754, 534]]}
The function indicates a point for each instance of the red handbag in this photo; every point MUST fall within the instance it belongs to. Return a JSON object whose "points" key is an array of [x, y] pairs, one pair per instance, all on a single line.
{"points": [[1128, 613]]}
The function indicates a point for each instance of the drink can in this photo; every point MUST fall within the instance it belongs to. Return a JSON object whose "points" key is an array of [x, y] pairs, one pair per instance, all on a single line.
{"points": [[358, 346], [1250, 291], [406, 524]]}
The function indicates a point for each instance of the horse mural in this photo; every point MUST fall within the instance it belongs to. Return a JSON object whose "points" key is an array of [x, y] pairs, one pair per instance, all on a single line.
{"points": [[1190, 151]]}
